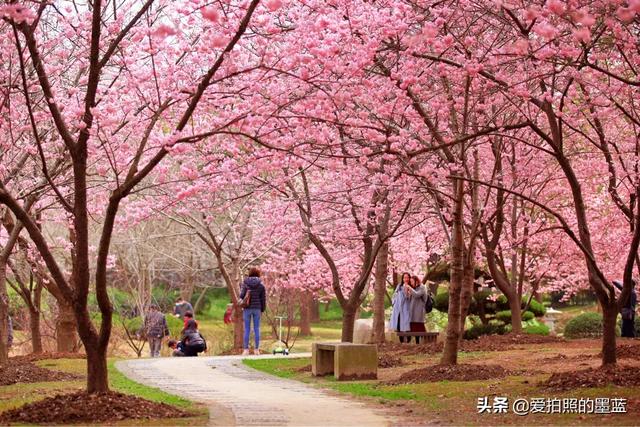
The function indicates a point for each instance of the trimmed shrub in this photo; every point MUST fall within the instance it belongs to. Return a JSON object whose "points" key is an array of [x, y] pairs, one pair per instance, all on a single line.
{"points": [[540, 329], [494, 328], [535, 307], [585, 325], [505, 316]]}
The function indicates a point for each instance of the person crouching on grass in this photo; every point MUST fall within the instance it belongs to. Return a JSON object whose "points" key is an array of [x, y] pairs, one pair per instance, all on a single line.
{"points": [[192, 341]]}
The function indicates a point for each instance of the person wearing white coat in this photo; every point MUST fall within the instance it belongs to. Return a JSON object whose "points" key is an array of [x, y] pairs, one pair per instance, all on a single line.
{"points": [[401, 311]]}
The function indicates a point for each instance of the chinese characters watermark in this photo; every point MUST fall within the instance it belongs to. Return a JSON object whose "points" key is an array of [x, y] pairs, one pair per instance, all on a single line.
{"points": [[548, 405]]}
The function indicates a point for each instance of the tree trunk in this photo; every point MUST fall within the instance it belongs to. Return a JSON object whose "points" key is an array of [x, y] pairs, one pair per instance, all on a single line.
{"points": [[609, 317], [238, 328], [305, 313], [97, 373], [450, 352], [315, 310], [34, 318], [379, 293], [34, 326], [516, 314], [4, 315], [66, 332], [348, 322], [466, 294]]}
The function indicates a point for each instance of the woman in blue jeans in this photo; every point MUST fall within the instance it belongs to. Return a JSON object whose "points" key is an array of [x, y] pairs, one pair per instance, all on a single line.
{"points": [[257, 304]]}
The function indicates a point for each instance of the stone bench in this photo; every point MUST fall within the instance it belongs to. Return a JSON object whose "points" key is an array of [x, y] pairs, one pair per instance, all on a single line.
{"points": [[428, 337], [345, 360]]}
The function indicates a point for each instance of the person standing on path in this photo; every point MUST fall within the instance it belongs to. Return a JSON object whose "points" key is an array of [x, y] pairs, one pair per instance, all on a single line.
{"points": [[254, 290], [155, 328], [182, 307], [401, 314]]}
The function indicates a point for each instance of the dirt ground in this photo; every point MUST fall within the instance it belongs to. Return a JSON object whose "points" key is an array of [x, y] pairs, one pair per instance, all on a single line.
{"points": [[27, 372], [89, 408]]}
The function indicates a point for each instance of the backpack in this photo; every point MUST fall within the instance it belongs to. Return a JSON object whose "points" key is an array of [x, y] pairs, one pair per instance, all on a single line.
{"points": [[246, 301], [627, 313], [428, 304]]}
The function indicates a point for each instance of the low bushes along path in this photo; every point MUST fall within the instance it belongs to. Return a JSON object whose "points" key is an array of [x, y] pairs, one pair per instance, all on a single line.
{"points": [[237, 394]]}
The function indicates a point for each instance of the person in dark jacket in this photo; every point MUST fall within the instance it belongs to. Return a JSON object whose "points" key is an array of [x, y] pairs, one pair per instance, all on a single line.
{"points": [[257, 304], [192, 342], [177, 347], [628, 311], [182, 307]]}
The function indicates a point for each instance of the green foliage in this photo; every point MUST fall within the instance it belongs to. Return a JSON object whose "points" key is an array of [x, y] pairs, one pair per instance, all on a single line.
{"points": [[175, 325], [214, 305], [134, 324], [535, 307], [436, 321], [164, 296], [585, 325], [505, 316], [540, 329], [441, 302], [493, 328]]}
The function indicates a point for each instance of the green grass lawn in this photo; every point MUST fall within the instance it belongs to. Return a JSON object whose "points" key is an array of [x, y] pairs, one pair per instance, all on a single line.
{"points": [[16, 395]]}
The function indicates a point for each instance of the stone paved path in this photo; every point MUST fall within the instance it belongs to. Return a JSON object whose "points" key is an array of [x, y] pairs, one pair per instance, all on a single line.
{"points": [[243, 396]]}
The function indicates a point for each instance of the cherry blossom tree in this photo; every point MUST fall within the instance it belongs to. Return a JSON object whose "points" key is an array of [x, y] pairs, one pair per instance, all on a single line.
{"points": [[124, 85]]}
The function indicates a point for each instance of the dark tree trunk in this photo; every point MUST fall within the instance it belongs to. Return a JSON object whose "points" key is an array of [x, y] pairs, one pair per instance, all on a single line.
{"points": [[348, 322], [379, 293], [609, 317], [34, 326], [516, 314], [34, 318], [450, 352], [4, 315], [66, 332], [238, 328], [465, 295], [97, 373]]}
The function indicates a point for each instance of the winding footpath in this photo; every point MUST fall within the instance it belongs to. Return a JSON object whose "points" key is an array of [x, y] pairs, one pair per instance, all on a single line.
{"points": [[239, 395]]}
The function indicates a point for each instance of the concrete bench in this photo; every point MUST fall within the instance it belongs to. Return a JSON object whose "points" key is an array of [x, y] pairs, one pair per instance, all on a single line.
{"points": [[427, 336], [345, 360]]}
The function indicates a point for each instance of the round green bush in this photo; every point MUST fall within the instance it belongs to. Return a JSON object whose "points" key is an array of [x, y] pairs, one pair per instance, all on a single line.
{"points": [[585, 325]]}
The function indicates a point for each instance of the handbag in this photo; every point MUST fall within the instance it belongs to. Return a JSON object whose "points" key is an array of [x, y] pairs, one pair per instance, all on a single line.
{"points": [[246, 301]]}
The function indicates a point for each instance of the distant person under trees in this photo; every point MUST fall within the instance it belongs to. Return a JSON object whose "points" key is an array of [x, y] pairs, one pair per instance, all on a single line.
{"points": [[182, 307], [628, 311], [155, 328], [253, 302]]}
